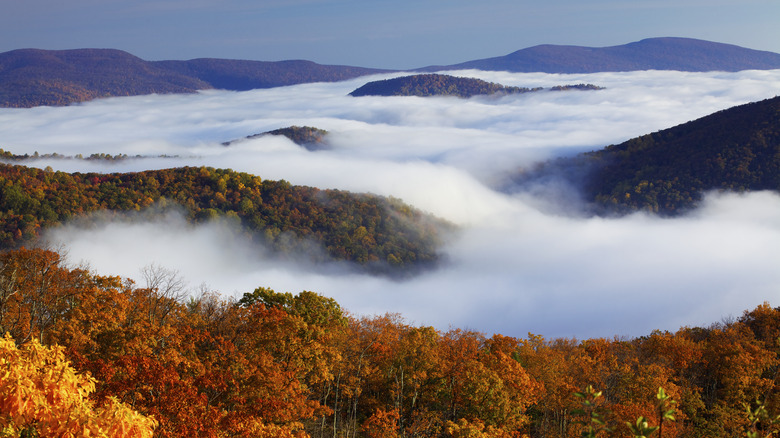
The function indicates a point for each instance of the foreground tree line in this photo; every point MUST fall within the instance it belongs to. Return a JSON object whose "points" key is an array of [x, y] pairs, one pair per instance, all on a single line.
{"points": [[197, 364]]}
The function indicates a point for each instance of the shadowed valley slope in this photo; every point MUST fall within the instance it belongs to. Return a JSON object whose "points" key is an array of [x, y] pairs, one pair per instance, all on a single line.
{"points": [[668, 171]]}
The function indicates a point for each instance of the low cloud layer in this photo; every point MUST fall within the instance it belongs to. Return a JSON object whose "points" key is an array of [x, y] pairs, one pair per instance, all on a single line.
{"points": [[514, 269]]}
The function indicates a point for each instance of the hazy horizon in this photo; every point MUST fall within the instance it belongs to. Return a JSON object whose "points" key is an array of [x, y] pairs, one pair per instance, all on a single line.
{"points": [[392, 35]]}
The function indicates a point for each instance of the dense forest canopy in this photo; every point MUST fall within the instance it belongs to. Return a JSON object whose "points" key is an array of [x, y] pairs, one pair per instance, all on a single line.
{"points": [[308, 137], [668, 171], [382, 235], [445, 85], [284, 365], [434, 85]]}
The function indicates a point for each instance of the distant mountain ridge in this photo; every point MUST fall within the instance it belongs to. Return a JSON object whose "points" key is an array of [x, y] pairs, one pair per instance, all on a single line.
{"points": [[241, 75], [34, 77], [668, 53]]}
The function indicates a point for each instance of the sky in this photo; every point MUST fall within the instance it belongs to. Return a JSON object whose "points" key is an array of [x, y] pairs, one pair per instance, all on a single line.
{"points": [[522, 262], [399, 34]]}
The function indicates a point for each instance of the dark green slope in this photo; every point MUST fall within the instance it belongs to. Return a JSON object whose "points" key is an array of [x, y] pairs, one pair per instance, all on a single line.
{"points": [[668, 172]]}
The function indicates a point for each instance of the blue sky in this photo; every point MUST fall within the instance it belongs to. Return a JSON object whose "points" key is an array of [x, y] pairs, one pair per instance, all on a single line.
{"points": [[374, 33]]}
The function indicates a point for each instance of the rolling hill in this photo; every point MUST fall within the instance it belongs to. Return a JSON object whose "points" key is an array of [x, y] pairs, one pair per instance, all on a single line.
{"points": [[434, 85], [243, 75], [31, 77], [372, 233], [683, 54], [308, 137], [426, 85], [667, 172]]}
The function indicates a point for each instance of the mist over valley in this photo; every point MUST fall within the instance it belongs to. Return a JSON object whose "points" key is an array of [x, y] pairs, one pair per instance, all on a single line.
{"points": [[319, 218], [521, 261]]}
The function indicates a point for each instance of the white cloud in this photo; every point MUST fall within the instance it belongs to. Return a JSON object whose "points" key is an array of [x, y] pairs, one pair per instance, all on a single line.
{"points": [[519, 271], [515, 267]]}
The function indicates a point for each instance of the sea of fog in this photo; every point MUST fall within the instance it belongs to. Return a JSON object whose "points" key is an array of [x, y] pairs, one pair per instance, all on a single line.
{"points": [[520, 264]]}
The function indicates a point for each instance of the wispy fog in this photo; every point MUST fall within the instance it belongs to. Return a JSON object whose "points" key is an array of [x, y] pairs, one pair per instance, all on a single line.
{"points": [[515, 268]]}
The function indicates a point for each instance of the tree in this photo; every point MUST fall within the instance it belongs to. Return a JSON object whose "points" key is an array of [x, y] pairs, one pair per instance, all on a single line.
{"points": [[42, 395]]}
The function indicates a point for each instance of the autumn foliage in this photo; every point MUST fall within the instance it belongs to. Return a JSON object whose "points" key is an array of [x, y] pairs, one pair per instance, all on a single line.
{"points": [[382, 235], [41, 392], [103, 352]]}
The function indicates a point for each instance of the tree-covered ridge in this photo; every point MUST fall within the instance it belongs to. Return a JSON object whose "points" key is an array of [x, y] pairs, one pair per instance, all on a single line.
{"points": [[425, 85], [737, 149], [668, 172], [379, 233], [435, 85], [576, 87], [9, 156], [308, 137], [283, 365]]}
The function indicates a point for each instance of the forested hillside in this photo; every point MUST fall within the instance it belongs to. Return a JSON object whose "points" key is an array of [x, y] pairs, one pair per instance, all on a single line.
{"points": [[283, 365], [306, 136], [667, 172], [382, 235], [434, 85], [737, 149]]}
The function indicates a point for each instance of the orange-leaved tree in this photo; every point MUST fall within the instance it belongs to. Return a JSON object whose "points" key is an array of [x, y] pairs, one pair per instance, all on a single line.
{"points": [[42, 395]]}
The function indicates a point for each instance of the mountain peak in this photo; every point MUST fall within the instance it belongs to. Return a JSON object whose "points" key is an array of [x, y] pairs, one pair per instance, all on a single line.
{"points": [[664, 53]]}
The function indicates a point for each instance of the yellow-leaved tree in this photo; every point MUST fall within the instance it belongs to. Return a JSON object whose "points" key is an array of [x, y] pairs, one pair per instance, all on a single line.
{"points": [[42, 395]]}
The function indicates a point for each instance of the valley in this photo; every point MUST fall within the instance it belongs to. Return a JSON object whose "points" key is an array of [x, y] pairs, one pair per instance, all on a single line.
{"points": [[227, 248]]}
